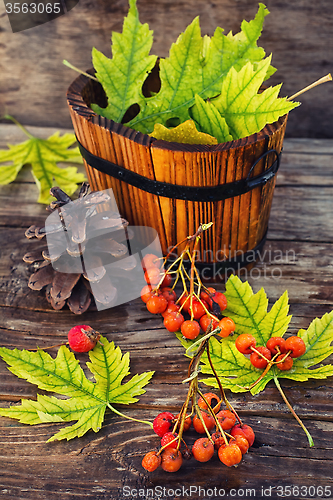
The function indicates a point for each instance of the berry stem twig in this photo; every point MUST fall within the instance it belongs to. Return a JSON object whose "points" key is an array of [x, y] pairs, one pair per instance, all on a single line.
{"points": [[193, 389], [223, 396], [308, 435], [217, 423], [193, 368], [266, 370], [182, 416], [192, 274]]}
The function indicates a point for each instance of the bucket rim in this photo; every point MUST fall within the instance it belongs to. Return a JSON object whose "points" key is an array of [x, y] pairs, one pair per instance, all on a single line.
{"points": [[80, 107]]}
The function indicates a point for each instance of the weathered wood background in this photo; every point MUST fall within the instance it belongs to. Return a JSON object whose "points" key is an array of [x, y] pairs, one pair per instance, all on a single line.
{"points": [[33, 80]]}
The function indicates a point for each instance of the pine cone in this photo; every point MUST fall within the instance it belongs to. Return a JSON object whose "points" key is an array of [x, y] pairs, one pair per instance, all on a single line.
{"points": [[71, 286]]}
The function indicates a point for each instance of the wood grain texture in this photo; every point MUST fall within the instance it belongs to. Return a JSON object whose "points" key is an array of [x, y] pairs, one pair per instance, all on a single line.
{"points": [[33, 80], [297, 256]]}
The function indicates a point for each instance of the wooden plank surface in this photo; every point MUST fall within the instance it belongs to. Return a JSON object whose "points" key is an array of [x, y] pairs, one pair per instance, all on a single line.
{"points": [[33, 80], [297, 256]]}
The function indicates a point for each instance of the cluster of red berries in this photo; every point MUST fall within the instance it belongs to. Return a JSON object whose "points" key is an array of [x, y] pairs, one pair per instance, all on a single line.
{"points": [[278, 351], [191, 312], [231, 439]]}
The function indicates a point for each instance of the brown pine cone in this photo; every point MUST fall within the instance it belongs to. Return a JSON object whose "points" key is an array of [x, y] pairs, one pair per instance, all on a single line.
{"points": [[65, 278]]}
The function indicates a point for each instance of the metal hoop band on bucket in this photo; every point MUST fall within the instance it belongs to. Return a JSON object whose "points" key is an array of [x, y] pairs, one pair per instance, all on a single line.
{"points": [[190, 193]]}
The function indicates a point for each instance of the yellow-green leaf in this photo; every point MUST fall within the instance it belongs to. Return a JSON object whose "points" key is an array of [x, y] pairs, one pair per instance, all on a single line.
{"points": [[245, 110], [185, 133], [210, 120], [122, 76], [86, 400], [318, 339], [43, 155], [249, 311], [46, 417]]}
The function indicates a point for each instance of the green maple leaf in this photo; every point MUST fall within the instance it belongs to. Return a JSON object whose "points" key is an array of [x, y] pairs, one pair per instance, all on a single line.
{"points": [[181, 77], [122, 76], [242, 47], [249, 312], [43, 156], [198, 65], [244, 109], [210, 121], [87, 400]]}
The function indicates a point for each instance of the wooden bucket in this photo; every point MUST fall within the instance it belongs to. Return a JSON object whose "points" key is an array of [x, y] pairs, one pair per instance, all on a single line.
{"points": [[236, 180]]}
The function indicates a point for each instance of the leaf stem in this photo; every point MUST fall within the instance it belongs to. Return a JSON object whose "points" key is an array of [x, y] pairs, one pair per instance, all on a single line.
{"points": [[126, 416], [9, 117], [277, 383], [324, 79], [69, 65]]}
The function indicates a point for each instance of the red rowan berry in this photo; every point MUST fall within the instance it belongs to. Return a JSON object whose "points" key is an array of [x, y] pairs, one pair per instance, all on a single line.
{"points": [[203, 449], [220, 299], [226, 418], [190, 329], [207, 295], [197, 309], [171, 460], [151, 461], [82, 338], [243, 430], [157, 304], [230, 454], [209, 421], [296, 345], [227, 326], [169, 294], [218, 440], [207, 320], [242, 443], [173, 321], [150, 260], [213, 400], [184, 302], [172, 307], [167, 280], [153, 276], [163, 423], [244, 342], [259, 362], [169, 441], [187, 423], [147, 293], [275, 343], [284, 363]]}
